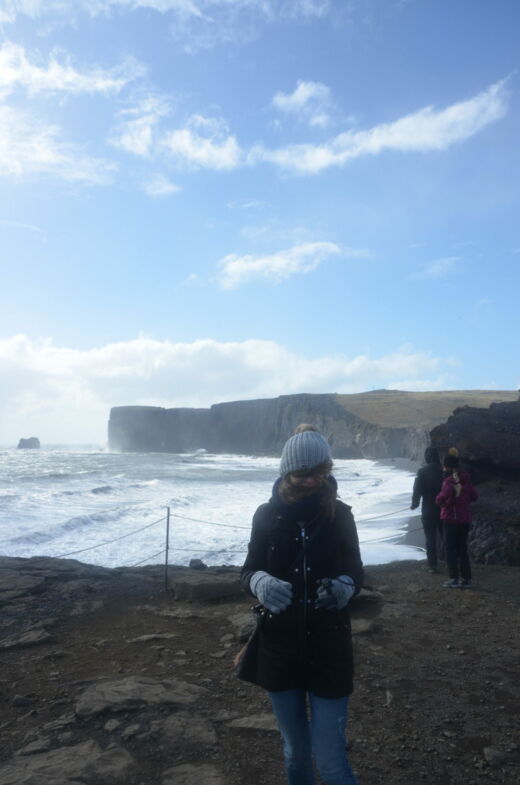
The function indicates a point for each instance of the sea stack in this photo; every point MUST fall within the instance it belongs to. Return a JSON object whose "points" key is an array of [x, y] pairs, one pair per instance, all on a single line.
{"points": [[32, 443]]}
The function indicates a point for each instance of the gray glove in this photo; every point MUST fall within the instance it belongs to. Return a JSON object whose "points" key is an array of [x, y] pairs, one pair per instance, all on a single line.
{"points": [[273, 593], [335, 592]]}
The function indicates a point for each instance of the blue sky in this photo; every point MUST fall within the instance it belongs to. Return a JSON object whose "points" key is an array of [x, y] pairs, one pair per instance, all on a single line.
{"points": [[207, 200]]}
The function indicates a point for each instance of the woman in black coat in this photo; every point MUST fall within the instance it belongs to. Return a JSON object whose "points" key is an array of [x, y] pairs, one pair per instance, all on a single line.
{"points": [[303, 565]]}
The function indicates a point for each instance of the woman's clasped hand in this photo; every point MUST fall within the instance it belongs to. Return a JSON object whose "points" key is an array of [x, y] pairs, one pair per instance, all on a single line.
{"points": [[273, 593]]}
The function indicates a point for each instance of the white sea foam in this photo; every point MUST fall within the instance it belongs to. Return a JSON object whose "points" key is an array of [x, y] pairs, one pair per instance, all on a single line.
{"points": [[57, 501]]}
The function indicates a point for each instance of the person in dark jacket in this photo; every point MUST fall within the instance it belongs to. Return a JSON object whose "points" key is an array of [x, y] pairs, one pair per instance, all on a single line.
{"points": [[304, 565], [427, 485], [454, 499]]}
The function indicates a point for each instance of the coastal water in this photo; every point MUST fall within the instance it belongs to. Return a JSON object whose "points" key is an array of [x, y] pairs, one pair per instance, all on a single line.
{"points": [[64, 500]]}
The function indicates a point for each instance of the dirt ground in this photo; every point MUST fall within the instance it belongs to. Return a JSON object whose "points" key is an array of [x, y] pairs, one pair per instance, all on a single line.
{"points": [[436, 698]]}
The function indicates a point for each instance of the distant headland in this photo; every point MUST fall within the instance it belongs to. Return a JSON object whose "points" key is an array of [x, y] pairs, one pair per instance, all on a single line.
{"points": [[380, 424]]}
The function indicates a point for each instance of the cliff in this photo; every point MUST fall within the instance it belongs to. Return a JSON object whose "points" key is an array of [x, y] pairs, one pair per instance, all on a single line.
{"points": [[488, 441], [258, 427], [379, 424]]}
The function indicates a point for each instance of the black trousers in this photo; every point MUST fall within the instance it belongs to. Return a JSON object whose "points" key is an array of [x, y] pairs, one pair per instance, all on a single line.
{"points": [[457, 558], [432, 534]]}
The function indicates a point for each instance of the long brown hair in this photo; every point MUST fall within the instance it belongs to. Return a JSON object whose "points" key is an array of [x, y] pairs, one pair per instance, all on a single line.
{"points": [[290, 493]]}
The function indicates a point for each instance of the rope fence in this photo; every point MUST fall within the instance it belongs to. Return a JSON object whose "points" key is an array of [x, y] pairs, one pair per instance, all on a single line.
{"points": [[168, 547], [109, 542]]}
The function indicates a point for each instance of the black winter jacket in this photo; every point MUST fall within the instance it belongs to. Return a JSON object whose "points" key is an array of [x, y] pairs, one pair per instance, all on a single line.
{"points": [[426, 486], [304, 647]]}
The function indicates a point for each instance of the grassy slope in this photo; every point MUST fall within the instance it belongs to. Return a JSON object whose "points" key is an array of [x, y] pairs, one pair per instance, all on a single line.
{"points": [[396, 408]]}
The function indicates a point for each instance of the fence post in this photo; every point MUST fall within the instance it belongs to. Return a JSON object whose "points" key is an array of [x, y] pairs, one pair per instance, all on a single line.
{"points": [[167, 547]]}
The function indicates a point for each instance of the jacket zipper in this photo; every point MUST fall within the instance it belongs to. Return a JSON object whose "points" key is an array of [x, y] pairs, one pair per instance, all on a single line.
{"points": [[305, 596]]}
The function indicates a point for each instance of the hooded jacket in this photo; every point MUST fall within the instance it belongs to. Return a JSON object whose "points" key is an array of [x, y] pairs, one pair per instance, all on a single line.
{"points": [[304, 647], [427, 485], [455, 507]]}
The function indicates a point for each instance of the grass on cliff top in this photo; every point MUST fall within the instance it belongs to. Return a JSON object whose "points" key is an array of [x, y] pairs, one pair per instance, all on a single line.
{"points": [[395, 408]]}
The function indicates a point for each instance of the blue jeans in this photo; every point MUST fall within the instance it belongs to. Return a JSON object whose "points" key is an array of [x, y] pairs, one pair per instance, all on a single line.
{"points": [[323, 735]]}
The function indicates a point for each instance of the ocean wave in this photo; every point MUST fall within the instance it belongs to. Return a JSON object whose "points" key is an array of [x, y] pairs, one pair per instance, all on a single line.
{"points": [[72, 525], [102, 489], [84, 521], [31, 538], [9, 496]]}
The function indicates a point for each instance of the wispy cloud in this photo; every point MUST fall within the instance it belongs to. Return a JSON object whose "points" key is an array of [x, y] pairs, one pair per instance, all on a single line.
{"points": [[57, 74], [194, 24], [208, 143], [425, 130], [236, 270], [439, 268], [310, 101], [204, 142], [137, 125], [64, 394], [10, 10], [160, 186], [22, 226], [31, 147]]}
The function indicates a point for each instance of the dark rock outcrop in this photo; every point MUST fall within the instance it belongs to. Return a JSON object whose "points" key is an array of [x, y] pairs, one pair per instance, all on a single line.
{"points": [[33, 443], [258, 427], [488, 441]]}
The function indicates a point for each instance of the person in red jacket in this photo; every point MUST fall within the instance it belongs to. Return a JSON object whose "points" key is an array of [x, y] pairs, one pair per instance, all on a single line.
{"points": [[456, 494]]}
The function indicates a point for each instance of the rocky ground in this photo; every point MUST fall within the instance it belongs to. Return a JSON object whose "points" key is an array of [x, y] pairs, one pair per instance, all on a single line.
{"points": [[107, 678]]}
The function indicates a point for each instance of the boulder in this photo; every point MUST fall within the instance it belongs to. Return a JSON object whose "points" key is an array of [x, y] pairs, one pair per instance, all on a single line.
{"points": [[135, 692], [86, 763]]}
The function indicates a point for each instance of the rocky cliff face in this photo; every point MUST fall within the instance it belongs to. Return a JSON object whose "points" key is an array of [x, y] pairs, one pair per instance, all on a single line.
{"points": [[488, 441], [258, 428]]}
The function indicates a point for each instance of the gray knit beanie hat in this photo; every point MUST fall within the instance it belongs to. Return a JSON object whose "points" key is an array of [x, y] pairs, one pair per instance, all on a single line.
{"points": [[304, 451]]}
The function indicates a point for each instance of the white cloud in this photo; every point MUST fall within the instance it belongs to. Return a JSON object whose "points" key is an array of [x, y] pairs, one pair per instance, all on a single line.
{"points": [[195, 24], [422, 131], [207, 142], [31, 147], [64, 395], [439, 268], [215, 148], [161, 186], [237, 270], [135, 131], [310, 101], [17, 69], [10, 10]]}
